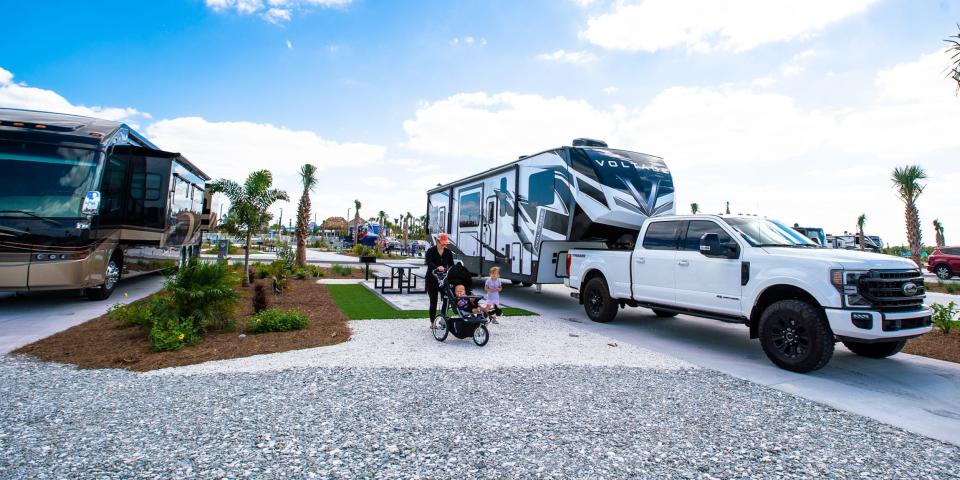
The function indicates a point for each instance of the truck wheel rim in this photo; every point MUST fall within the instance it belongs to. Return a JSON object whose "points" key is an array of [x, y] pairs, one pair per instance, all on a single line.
{"points": [[112, 275], [790, 338], [596, 302], [943, 273]]}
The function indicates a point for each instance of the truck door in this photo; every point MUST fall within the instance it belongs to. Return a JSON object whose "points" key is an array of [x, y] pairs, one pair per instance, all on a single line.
{"points": [[653, 263], [707, 283]]}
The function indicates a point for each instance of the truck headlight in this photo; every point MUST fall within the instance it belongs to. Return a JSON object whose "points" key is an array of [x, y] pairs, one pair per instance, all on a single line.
{"points": [[845, 281]]}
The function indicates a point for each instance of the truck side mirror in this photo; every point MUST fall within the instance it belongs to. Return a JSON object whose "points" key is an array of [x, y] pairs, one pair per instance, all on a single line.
{"points": [[710, 245]]}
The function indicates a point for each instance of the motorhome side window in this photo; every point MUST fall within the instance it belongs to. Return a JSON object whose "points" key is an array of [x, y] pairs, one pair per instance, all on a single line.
{"points": [[661, 236], [697, 229], [470, 210], [490, 210], [442, 220]]}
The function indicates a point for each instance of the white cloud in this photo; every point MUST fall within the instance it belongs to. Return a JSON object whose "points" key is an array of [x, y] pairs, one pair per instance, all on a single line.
{"points": [[762, 151], [763, 82], [610, 90], [703, 25], [468, 40], [233, 149], [289, 45], [20, 95], [377, 181], [273, 11], [568, 57]]}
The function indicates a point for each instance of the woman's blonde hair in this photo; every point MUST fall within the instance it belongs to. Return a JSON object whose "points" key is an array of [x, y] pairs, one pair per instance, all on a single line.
{"points": [[494, 270]]}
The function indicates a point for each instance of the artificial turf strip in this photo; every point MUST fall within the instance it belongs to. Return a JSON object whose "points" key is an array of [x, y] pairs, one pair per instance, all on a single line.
{"points": [[359, 303]]}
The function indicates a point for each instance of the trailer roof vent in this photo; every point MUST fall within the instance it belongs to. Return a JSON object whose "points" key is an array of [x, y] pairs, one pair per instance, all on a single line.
{"points": [[588, 142]]}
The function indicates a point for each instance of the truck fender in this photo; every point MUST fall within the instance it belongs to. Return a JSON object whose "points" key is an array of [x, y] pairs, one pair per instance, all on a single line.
{"points": [[774, 293]]}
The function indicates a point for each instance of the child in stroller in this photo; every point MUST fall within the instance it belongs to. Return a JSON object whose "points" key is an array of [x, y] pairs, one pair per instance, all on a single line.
{"points": [[468, 318]]}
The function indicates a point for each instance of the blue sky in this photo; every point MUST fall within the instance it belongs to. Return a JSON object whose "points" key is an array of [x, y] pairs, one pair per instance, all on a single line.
{"points": [[796, 111]]}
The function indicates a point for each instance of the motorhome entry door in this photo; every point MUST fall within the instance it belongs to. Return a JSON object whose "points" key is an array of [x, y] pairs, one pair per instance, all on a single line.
{"points": [[468, 224]]}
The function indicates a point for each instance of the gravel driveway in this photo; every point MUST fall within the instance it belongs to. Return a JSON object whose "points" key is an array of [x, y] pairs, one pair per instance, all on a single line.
{"points": [[591, 413]]}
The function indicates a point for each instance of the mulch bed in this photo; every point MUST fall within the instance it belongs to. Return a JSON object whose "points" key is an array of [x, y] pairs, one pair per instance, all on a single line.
{"points": [[103, 343], [936, 344]]}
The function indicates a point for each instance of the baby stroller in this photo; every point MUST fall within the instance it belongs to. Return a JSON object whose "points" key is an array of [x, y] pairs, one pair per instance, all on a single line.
{"points": [[461, 324]]}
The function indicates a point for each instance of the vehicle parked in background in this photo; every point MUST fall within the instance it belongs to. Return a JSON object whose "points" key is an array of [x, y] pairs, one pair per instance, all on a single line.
{"points": [[796, 297], [815, 234], [944, 262], [84, 201], [877, 241]]}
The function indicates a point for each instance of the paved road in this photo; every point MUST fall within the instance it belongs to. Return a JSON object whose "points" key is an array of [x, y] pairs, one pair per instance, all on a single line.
{"points": [[915, 393]]}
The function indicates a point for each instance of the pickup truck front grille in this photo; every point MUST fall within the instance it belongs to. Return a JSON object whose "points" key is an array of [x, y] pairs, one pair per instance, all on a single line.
{"points": [[892, 290]]}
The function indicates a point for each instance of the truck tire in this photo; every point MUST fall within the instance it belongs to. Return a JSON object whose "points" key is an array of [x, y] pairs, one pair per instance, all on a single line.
{"points": [[943, 272], [664, 313], [111, 275], [795, 336], [875, 350], [597, 302]]}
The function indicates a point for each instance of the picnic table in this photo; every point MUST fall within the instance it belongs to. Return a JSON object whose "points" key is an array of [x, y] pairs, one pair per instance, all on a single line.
{"points": [[401, 277]]}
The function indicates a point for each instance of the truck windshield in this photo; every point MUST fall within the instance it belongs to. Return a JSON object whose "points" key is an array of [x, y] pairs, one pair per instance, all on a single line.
{"points": [[45, 181], [761, 232]]}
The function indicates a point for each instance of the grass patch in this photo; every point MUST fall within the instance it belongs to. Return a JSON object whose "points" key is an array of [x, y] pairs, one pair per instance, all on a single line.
{"points": [[359, 303]]}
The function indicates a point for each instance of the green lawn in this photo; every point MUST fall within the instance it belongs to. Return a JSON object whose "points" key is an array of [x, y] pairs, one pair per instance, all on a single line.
{"points": [[359, 303]]}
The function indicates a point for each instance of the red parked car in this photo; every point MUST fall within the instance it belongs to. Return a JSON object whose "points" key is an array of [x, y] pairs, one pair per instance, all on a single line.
{"points": [[945, 262]]}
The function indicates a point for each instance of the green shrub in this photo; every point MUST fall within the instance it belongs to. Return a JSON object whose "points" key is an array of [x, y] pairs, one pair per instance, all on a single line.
{"points": [[169, 335], [342, 270], [280, 273], [300, 273], [943, 317], [275, 320], [205, 294], [287, 255], [952, 288], [133, 314], [365, 251]]}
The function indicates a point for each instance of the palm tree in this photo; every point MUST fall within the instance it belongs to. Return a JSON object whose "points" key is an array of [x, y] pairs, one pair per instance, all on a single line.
{"points": [[861, 220], [694, 208], [906, 180], [728, 208], [308, 178], [407, 220], [381, 219], [954, 51], [248, 205], [938, 228], [356, 223]]}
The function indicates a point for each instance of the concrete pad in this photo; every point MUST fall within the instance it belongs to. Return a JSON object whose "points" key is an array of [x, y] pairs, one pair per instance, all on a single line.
{"points": [[26, 319]]}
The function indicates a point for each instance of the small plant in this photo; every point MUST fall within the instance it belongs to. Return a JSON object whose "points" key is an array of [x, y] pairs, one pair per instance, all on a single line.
{"points": [[204, 293], [168, 335], [952, 288], [943, 317], [286, 255], [261, 296], [342, 270], [275, 320], [300, 273], [133, 314], [280, 273]]}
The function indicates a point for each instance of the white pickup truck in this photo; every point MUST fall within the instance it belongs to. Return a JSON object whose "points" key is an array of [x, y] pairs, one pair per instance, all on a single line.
{"points": [[796, 297]]}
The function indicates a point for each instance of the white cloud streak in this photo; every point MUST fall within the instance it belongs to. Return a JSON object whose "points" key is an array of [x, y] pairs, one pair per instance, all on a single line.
{"points": [[705, 25], [563, 56], [273, 11]]}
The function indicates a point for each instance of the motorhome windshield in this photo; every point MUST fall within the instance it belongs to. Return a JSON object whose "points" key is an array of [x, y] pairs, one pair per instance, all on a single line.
{"points": [[761, 232], [46, 181]]}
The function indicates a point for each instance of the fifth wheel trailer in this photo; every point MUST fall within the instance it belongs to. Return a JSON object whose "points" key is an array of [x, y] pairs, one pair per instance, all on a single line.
{"points": [[84, 201], [525, 215]]}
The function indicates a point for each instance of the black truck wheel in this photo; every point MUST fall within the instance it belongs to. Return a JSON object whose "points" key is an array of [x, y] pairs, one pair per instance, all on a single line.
{"points": [[875, 350], [795, 336], [597, 302]]}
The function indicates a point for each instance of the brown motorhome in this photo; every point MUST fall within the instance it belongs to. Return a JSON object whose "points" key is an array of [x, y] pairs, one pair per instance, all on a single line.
{"points": [[85, 201]]}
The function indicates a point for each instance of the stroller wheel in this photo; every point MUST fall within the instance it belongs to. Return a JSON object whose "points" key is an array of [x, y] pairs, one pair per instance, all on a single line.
{"points": [[440, 329], [481, 335]]}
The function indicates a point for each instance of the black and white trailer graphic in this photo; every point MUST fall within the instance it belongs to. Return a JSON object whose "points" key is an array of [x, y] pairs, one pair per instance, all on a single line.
{"points": [[524, 216]]}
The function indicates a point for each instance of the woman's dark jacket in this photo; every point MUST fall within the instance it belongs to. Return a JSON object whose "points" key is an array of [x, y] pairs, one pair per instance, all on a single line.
{"points": [[434, 260]]}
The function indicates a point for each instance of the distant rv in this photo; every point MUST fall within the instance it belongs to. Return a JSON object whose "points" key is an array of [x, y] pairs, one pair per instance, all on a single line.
{"points": [[525, 215], [85, 201]]}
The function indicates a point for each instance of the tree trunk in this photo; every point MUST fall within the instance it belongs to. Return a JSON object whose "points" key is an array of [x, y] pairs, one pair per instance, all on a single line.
{"points": [[303, 216], [246, 262], [913, 233]]}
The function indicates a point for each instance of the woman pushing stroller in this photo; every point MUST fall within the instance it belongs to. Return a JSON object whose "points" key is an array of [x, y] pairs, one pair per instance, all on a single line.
{"points": [[438, 259]]}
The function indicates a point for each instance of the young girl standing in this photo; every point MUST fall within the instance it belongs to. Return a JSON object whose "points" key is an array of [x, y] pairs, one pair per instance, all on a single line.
{"points": [[493, 285]]}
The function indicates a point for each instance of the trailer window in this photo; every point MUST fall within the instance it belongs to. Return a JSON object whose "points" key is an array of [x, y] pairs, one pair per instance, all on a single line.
{"points": [[491, 207], [470, 209], [540, 189], [661, 236]]}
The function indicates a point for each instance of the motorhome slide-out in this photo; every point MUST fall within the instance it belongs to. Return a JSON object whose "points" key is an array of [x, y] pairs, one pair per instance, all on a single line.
{"points": [[795, 296], [85, 201], [525, 216]]}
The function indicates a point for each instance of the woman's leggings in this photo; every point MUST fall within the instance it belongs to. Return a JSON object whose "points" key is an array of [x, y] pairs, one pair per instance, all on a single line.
{"points": [[433, 290]]}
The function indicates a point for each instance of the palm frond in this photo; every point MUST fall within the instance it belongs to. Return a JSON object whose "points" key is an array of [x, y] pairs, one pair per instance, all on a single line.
{"points": [[308, 176]]}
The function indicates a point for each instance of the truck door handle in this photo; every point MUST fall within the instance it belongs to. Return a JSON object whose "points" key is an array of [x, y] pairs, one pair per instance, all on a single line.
{"points": [[641, 260], [683, 263]]}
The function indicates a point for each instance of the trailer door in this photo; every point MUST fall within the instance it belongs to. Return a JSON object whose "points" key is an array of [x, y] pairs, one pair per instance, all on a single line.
{"points": [[468, 224]]}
